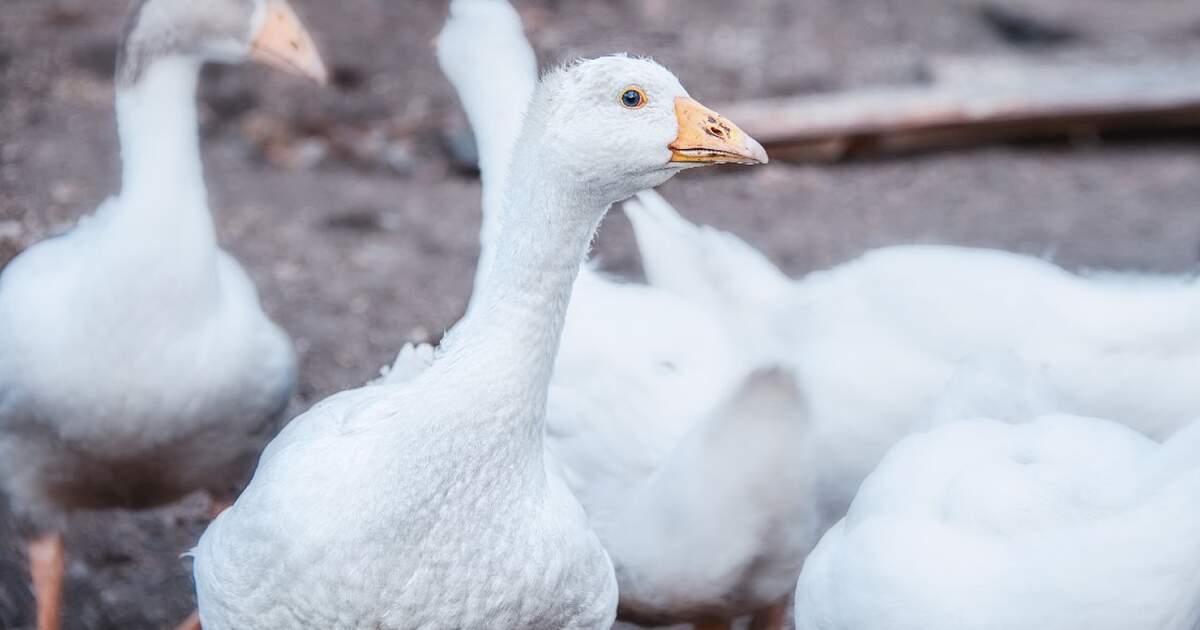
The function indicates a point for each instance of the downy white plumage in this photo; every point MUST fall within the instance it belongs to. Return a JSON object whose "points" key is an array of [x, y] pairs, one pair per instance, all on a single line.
{"points": [[879, 342], [908, 317], [425, 501], [136, 364], [681, 448], [1064, 523]]}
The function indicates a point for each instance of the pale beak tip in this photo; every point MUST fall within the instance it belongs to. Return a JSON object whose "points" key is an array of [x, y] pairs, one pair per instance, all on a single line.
{"points": [[285, 44], [320, 75], [757, 152]]}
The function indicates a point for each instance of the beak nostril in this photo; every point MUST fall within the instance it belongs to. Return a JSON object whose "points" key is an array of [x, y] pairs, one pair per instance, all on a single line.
{"points": [[706, 137]]}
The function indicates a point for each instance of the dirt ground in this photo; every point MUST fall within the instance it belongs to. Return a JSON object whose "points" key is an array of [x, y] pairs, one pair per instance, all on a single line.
{"points": [[353, 211]]}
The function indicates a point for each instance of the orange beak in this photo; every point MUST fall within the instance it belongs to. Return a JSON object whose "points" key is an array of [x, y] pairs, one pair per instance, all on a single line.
{"points": [[285, 44], [706, 137]]}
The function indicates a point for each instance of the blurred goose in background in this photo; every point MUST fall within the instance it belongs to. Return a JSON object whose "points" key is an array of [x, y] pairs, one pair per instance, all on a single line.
{"points": [[136, 365], [426, 501], [1064, 523], [909, 319], [891, 342], [678, 440]]}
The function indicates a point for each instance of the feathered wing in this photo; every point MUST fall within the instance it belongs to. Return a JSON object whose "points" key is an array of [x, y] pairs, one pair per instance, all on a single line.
{"points": [[1062, 523], [744, 484], [944, 305]]}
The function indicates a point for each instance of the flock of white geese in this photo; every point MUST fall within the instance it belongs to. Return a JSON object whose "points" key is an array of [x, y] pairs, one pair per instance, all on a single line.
{"points": [[887, 441]]}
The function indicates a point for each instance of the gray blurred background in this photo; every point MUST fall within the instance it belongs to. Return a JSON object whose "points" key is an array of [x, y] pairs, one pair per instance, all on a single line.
{"points": [[356, 211]]}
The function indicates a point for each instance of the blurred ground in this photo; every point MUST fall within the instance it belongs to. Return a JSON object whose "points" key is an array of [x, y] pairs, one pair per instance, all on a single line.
{"points": [[361, 232]]}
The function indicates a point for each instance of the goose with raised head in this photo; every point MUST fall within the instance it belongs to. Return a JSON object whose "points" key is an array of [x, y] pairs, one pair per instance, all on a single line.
{"points": [[1063, 523], [426, 502], [136, 365], [657, 414]]}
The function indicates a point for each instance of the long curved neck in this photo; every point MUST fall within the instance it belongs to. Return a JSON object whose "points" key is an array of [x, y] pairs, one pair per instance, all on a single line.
{"points": [[162, 181], [485, 54], [496, 138], [544, 236]]}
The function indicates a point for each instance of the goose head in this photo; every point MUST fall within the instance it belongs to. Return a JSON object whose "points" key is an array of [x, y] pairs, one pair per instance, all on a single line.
{"points": [[620, 124], [222, 31]]}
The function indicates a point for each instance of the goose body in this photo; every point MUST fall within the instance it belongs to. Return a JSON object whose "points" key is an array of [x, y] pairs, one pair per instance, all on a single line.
{"points": [[1062, 523], [426, 500], [714, 528], [878, 342], [673, 446], [136, 363], [361, 518], [658, 415], [133, 372], [878, 367], [650, 379]]}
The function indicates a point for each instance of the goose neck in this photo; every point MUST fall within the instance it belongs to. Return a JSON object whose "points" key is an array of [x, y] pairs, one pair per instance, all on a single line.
{"points": [[543, 236], [160, 148], [159, 237]]}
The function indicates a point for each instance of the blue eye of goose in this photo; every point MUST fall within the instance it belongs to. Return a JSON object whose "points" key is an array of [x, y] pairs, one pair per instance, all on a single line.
{"points": [[633, 98]]}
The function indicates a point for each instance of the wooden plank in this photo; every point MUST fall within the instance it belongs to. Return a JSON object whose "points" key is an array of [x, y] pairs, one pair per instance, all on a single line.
{"points": [[975, 101]]}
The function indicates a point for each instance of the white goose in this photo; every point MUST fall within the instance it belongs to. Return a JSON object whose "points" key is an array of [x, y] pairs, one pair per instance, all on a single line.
{"points": [[908, 317], [484, 52], [654, 415], [877, 341], [136, 365], [426, 502], [956, 526], [1064, 523]]}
